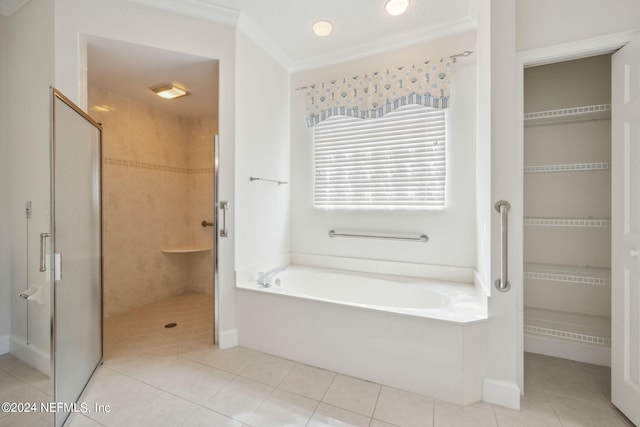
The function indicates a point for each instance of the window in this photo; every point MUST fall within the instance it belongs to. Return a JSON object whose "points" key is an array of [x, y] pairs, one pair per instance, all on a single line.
{"points": [[395, 162]]}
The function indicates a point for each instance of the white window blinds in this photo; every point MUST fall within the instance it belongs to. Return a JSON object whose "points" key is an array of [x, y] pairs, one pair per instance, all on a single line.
{"points": [[392, 162]]}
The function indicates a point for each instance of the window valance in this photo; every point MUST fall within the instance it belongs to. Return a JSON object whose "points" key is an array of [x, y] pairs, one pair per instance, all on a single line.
{"points": [[378, 93]]}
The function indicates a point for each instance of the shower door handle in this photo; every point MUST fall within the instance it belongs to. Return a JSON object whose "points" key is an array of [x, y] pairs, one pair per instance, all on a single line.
{"points": [[502, 284], [223, 231], [43, 251], [57, 266]]}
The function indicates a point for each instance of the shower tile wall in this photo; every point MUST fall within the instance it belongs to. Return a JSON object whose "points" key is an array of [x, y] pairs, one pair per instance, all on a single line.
{"points": [[201, 133], [157, 188]]}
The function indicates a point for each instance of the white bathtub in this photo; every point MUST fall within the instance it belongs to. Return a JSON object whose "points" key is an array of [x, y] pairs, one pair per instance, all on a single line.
{"points": [[435, 299], [425, 336]]}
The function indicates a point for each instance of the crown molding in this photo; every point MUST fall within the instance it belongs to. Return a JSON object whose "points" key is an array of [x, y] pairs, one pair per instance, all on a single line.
{"points": [[255, 34], [195, 8], [206, 10], [386, 44], [203, 9], [473, 11], [9, 7], [576, 50]]}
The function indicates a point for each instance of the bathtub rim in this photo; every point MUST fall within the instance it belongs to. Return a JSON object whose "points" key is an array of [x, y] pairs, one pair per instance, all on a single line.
{"points": [[252, 286], [449, 273]]}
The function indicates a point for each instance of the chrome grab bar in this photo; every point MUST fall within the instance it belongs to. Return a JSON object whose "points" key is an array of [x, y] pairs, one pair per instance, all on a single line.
{"points": [[223, 231], [502, 284], [423, 238], [43, 251], [275, 181]]}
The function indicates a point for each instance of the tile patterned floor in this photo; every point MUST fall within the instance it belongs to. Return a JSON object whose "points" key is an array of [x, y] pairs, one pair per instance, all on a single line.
{"points": [[157, 377], [140, 332]]}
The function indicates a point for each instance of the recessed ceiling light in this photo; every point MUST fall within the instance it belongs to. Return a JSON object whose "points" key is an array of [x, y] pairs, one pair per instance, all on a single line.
{"points": [[322, 28], [396, 7], [168, 91]]}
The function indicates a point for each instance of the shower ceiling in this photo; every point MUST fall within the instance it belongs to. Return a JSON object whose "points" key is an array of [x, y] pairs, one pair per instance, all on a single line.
{"points": [[130, 69]]}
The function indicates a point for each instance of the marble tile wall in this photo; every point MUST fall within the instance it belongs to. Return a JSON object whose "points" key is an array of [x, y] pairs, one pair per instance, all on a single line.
{"points": [[157, 188]]}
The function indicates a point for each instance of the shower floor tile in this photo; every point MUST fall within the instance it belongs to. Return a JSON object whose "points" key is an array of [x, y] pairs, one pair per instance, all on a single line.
{"points": [[141, 332], [154, 376]]}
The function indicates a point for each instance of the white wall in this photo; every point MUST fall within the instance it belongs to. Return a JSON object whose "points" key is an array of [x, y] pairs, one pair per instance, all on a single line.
{"points": [[452, 231], [262, 150], [483, 147], [496, 30], [542, 23], [5, 242], [30, 62], [120, 20]]}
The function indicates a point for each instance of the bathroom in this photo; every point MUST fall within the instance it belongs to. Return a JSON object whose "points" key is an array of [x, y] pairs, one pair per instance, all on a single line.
{"points": [[263, 133]]}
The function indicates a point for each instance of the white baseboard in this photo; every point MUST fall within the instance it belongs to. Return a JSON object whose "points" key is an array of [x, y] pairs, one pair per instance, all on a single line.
{"points": [[580, 352], [501, 393], [4, 344], [228, 339], [31, 355]]}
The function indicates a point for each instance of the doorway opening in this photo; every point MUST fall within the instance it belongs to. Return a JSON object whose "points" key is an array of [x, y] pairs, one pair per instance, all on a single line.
{"points": [[158, 191], [567, 210], [567, 230]]}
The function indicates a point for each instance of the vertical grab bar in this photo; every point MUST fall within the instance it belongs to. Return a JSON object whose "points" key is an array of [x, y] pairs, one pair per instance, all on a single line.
{"points": [[223, 231], [43, 251], [502, 284]]}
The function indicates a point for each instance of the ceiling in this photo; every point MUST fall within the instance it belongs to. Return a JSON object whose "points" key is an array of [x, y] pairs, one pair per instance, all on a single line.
{"points": [[282, 28], [358, 25], [130, 69]]}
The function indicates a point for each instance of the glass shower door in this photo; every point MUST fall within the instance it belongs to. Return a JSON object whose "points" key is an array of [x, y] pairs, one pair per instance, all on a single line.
{"points": [[77, 252]]}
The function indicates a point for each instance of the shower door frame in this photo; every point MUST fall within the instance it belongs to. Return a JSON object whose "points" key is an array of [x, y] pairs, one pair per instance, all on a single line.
{"points": [[216, 233], [56, 94]]}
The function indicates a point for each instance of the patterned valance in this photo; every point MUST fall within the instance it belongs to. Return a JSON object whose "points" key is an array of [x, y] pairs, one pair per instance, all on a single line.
{"points": [[376, 94]]}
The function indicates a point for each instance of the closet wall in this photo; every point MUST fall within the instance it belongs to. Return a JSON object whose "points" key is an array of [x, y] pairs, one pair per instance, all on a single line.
{"points": [[567, 208]]}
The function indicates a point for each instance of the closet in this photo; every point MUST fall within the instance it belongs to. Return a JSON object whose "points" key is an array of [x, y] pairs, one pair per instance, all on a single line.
{"points": [[567, 209]]}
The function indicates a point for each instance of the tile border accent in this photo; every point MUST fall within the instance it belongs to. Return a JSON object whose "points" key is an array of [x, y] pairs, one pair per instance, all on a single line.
{"points": [[200, 170], [153, 166]]}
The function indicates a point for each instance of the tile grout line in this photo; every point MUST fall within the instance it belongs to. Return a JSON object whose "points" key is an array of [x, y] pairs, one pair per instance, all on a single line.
{"points": [[259, 406], [495, 415], [555, 414], [131, 378], [321, 400], [25, 382], [375, 406], [287, 391], [246, 422], [335, 375], [597, 402], [181, 397], [433, 415]]}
